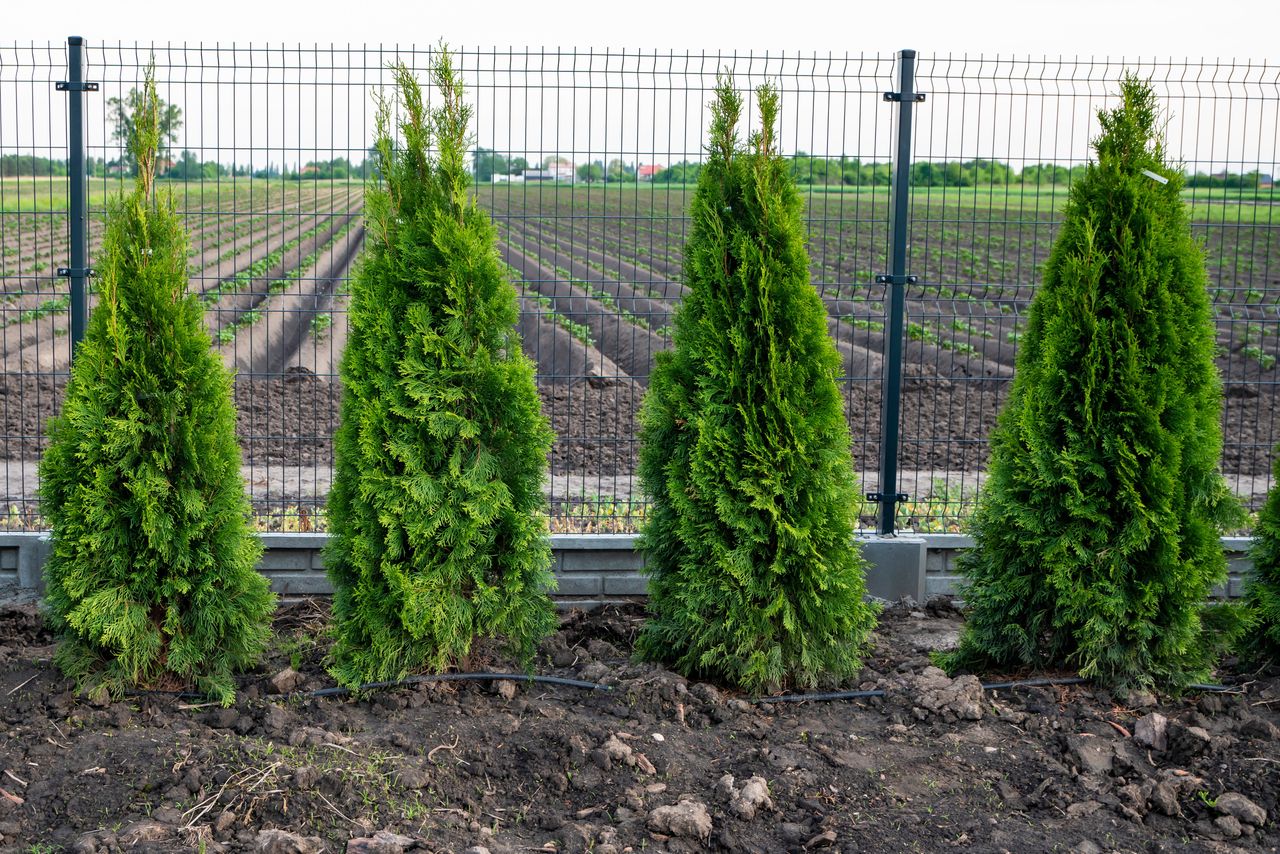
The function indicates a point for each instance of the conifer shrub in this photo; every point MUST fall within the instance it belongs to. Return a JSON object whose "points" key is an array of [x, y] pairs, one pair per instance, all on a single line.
{"points": [[1096, 540], [439, 532], [755, 577], [1262, 591], [151, 579]]}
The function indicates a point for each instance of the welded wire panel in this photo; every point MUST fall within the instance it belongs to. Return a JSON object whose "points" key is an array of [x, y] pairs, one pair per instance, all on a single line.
{"points": [[267, 163], [34, 300], [588, 161], [997, 144]]}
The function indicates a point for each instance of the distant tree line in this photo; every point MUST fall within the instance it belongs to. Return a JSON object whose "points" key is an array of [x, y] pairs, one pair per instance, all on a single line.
{"points": [[486, 163], [188, 167], [805, 170], [1230, 180], [29, 164]]}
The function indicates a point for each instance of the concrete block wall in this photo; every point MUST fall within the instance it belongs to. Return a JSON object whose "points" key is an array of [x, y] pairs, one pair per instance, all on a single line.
{"points": [[295, 564], [9, 566], [943, 578], [595, 569]]}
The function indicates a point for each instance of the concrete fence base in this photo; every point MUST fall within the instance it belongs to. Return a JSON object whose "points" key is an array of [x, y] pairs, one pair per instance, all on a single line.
{"points": [[595, 569]]}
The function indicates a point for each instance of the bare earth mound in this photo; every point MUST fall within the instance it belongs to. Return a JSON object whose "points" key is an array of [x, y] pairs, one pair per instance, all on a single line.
{"points": [[658, 763]]}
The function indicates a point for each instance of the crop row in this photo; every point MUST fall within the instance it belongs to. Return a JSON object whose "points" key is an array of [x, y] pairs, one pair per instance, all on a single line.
{"points": [[976, 275]]}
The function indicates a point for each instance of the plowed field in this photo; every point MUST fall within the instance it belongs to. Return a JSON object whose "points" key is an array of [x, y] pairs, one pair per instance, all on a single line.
{"points": [[599, 273]]}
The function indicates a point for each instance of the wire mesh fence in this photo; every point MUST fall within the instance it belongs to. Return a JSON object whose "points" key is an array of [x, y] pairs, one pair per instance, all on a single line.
{"points": [[587, 162]]}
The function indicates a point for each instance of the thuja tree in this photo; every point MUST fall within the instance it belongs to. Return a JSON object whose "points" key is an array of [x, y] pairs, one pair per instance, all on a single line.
{"points": [[1262, 592], [1096, 539], [439, 532], [151, 577], [755, 578]]}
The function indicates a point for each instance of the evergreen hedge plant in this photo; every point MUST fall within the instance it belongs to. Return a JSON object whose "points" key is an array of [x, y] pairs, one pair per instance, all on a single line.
{"points": [[1262, 591], [150, 580], [1096, 541], [439, 532], [755, 577]]}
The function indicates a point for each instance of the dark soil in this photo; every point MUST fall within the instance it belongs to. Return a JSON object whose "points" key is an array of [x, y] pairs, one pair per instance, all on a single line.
{"points": [[290, 419], [659, 763]]}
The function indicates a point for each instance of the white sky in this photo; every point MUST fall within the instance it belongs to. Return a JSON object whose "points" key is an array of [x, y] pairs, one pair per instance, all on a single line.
{"points": [[1240, 29]]}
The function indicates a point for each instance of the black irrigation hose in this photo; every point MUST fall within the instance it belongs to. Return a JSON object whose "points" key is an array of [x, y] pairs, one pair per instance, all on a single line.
{"points": [[454, 677], [595, 686], [986, 686], [408, 680]]}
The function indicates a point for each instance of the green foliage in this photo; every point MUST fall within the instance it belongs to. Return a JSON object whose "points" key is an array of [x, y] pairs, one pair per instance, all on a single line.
{"points": [[124, 113], [755, 575], [1096, 538], [151, 577], [591, 172], [487, 163], [684, 172], [437, 511], [1262, 593], [189, 168], [30, 164], [620, 172]]}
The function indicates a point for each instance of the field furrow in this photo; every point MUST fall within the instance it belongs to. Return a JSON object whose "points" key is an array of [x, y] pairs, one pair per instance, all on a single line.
{"points": [[631, 347], [275, 342]]}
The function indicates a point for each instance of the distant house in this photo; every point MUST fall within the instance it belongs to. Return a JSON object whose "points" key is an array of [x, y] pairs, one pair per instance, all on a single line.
{"points": [[1265, 182], [648, 170], [556, 170], [562, 169]]}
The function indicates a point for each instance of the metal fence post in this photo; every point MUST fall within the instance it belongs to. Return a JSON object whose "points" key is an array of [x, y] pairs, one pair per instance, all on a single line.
{"points": [[897, 280], [78, 188]]}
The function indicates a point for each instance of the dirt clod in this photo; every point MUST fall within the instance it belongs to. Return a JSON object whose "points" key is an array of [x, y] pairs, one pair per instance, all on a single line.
{"points": [[933, 692], [1151, 730], [1164, 798], [1188, 742], [1237, 805], [1257, 728], [286, 681], [822, 840], [1229, 825], [688, 818], [382, 842], [141, 832], [751, 798], [1090, 755], [283, 842]]}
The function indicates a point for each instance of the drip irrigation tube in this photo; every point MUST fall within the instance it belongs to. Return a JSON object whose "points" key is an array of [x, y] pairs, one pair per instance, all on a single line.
{"points": [[339, 691], [454, 677], [986, 686]]}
